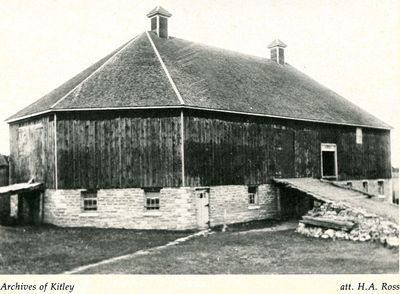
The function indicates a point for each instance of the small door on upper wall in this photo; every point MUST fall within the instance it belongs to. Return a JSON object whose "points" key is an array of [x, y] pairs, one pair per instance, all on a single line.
{"points": [[203, 208], [328, 161]]}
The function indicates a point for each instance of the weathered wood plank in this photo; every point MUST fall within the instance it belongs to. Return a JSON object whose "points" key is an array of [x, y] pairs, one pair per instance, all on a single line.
{"points": [[29, 151], [328, 223], [254, 151], [143, 148]]}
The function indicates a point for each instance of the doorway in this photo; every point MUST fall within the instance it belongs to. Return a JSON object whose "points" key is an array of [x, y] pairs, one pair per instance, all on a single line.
{"points": [[203, 206], [29, 208], [328, 161]]}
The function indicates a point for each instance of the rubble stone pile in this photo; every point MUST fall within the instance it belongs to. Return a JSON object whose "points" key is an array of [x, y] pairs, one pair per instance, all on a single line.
{"points": [[363, 226]]}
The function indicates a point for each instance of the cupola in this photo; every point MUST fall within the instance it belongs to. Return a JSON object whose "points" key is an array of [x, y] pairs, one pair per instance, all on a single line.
{"points": [[159, 21], [277, 49]]}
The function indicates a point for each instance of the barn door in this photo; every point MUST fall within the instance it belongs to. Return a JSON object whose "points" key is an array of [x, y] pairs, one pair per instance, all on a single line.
{"points": [[203, 205]]}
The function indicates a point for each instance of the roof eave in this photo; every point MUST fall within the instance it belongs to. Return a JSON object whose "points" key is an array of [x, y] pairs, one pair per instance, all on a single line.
{"points": [[9, 121]]}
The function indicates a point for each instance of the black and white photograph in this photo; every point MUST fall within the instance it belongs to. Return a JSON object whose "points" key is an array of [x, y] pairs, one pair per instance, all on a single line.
{"points": [[177, 137]]}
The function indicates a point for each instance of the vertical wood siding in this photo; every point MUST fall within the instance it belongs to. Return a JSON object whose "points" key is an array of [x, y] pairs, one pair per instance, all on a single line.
{"points": [[227, 149], [143, 149], [32, 151], [118, 150]]}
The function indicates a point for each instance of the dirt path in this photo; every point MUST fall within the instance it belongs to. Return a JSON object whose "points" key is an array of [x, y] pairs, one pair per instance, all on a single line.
{"points": [[290, 225], [137, 253]]}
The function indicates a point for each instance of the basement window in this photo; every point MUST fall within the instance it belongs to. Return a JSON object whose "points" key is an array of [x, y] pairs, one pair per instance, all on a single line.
{"points": [[381, 188], [349, 185], [89, 200], [253, 195], [359, 136], [365, 186], [152, 198]]}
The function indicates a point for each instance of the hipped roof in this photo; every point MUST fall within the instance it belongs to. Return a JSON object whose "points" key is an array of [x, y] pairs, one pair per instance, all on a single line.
{"points": [[204, 77], [277, 43], [159, 10]]}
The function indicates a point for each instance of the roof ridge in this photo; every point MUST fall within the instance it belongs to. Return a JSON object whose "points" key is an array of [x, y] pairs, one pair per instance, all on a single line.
{"points": [[166, 70], [97, 70]]}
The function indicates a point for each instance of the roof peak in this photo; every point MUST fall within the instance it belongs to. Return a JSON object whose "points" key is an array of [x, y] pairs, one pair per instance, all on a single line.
{"points": [[159, 10], [277, 43]]}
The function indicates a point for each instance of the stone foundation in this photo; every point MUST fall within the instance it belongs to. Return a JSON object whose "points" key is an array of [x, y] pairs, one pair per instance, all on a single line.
{"points": [[178, 210], [122, 208], [372, 187], [125, 208], [230, 204]]}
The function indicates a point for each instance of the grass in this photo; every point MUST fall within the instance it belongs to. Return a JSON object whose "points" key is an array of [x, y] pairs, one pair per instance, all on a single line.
{"points": [[51, 250], [283, 252]]}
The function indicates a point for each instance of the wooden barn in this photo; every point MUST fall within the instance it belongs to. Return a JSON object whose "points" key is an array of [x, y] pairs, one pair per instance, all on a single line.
{"points": [[164, 133]]}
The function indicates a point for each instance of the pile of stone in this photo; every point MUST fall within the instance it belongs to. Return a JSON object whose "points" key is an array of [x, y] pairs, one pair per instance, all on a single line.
{"points": [[339, 221]]}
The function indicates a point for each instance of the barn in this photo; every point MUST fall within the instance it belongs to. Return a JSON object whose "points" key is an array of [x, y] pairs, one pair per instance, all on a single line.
{"points": [[164, 133]]}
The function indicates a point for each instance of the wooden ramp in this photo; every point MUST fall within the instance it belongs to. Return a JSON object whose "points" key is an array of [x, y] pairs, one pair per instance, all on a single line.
{"points": [[328, 192]]}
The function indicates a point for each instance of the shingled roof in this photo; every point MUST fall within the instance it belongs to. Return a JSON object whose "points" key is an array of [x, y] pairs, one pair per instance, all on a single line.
{"points": [[192, 75]]}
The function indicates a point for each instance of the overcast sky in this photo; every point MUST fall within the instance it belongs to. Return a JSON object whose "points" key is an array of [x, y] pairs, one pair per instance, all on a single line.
{"points": [[351, 46]]}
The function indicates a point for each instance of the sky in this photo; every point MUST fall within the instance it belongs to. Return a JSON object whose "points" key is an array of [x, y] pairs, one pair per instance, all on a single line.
{"points": [[350, 46]]}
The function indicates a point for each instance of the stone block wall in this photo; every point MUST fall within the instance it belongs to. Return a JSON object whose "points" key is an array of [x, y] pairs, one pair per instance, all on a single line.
{"points": [[373, 187], [125, 208], [230, 204], [122, 208]]}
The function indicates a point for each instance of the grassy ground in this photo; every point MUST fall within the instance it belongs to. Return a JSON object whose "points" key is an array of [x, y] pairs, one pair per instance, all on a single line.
{"points": [[283, 252], [51, 250]]}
